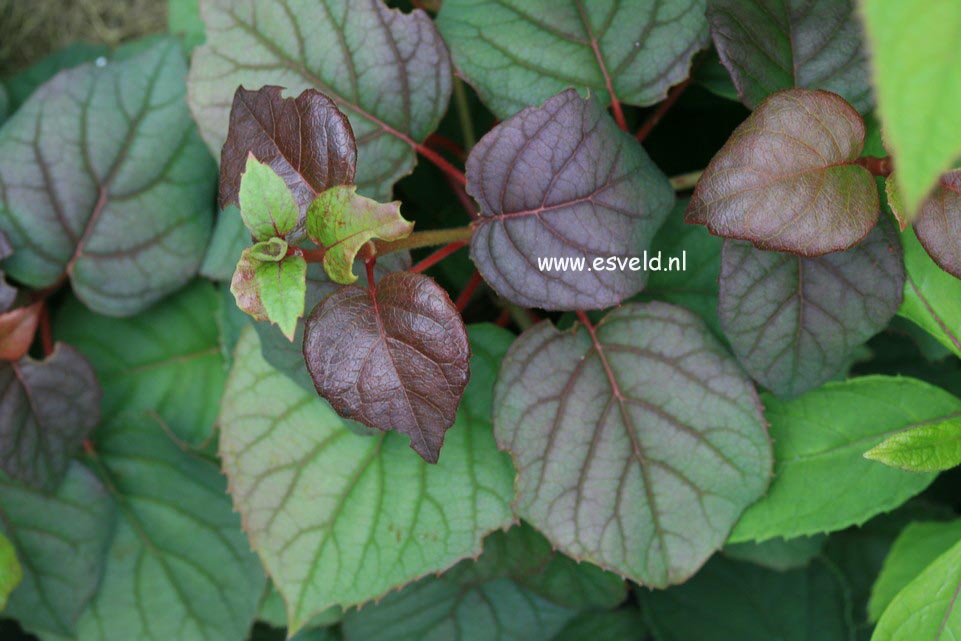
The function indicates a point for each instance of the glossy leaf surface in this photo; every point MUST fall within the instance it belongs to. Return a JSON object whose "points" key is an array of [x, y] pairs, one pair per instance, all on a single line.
{"points": [[562, 181], [787, 179], [358, 515], [272, 289], [795, 322], [518, 53], [393, 357], [769, 45], [618, 464], [267, 205], [105, 180], [388, 71]]}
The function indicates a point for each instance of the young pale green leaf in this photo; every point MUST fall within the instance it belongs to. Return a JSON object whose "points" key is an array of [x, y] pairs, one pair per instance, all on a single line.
{"points": [[914, 550], [416, 354], [60, 539], [914, 59], [520, 53], [112, 187], [636, 451], [179, 566], [562, 181], [787, 179], [927, 608], [743, 601], [822, 482], [10, 571], [268, 251], [166, 360], [795, 322], [340, 519], [273, 289], [341, 221], [932, 447], [769, 45], [229, 240], [932, 297], [47, 409], [778, 554], [389, 72], [267, 206]]}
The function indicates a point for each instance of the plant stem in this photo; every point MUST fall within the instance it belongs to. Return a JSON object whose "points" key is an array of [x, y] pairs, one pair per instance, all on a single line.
{"points": [[662, 109], [438, 256], [463, 113], [877, 166], [428, 238], [687, 181], [441, 163], [468, 292]]}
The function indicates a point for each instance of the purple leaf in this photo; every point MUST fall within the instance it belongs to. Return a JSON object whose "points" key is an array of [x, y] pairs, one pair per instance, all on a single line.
{"points": [[306, 140], [393, 357], [637, 445], [938, 225], [47, 409], [563, 181], [788, 180], [795, 322], [768, 45]]}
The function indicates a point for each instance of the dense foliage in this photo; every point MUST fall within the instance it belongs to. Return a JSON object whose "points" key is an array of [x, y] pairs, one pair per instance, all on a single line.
{"points": [[334, 393]]}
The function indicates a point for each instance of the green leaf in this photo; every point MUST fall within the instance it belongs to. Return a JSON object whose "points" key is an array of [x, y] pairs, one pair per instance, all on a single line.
{"points": [[932, 297], [10, 571], [927, 448], [388, 71], [273, 611], [618, 625], [179, 566], [769, 45], [23, 83], [637, 444], [778, 553], [342, 222], [821, 481], [267, 207], [112, 187], [269, 251], [730, 600], [60, 539], [229, 240], [914, 550], [915, 58], [166, 360], [340, 519], [927, 607], [271, 290], [519, 53]]}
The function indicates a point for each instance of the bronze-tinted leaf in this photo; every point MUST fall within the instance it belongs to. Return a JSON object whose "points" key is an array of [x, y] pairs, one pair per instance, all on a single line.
{"points": [[17, 329], [938, 224], [795, 322], [47, 408], [788, 180], [393, 357], [562, 181], [306, 140]]}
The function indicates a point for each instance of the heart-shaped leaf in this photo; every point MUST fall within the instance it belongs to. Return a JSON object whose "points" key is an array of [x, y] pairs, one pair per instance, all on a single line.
{"points": [[111, 186], [393, 357], [305, 140], [751, 603], [938, 223], [788, 180], [916, 109], [339, 519], [637, 444], [822, 482], [166, 360], [795, 322], [769, 45], [179, 566], [342, 222], [267, 205], [60, 538], [389, 71], [519, 54], [47, 409], [562, 181]]}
